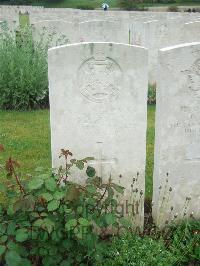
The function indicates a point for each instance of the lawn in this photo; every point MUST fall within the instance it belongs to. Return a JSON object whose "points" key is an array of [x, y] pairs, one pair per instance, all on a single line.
{"points": [[26, 137], [112, 3], [77, 3]]}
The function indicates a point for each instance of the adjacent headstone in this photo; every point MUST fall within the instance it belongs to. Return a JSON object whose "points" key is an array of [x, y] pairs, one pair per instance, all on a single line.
{"points": [[98, 95], [56, 32], [177, 141]]}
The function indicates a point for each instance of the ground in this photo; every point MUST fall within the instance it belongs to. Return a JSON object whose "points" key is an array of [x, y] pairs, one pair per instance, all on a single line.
{"points": [[26, 137]]}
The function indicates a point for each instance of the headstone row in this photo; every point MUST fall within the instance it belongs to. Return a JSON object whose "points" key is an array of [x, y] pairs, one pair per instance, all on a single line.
{"points": [[98, 95]]}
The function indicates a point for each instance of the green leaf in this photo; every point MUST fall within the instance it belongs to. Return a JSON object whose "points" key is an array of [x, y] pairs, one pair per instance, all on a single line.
{"points": [[90, 171], [21, 235], [73, 161], [47, 196], [70, 224], [38, 223], [2, 249], [86, 159], [125, 222], [43, 214], [83, 222], [11, 228], [58, 195], [65, 263], [24, 262], [91, 189], [2, 229], [50, 184], [118, 188], [48, 225], [53, 205], [10, 210], [80, 165], [18, 248], [44, 176], [35, 183], [110, 193], [3, 239], [12, 258], [3, 188], [24, 204], [110, 218]]}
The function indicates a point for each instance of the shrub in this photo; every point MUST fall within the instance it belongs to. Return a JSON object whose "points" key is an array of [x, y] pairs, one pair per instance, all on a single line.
{"points": [[177, 244], [185, 240], [85, 7], [166, 1], [173, 9], [50, 220], [132, 5], [23, 64], [136, 250]]}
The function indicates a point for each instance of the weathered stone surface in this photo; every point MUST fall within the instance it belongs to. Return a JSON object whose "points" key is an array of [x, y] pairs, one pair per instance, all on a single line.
{"points": [[177, 146], [98, 94], [57, 32], [104, 31]]}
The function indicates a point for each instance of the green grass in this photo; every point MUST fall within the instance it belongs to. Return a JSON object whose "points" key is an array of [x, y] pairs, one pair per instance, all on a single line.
{"points": [[26, 137], [77, 3], [150, 150], [98, 3]]}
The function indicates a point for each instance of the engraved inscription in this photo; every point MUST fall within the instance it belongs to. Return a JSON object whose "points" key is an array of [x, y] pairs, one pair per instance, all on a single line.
{"points": [[99, 79]]}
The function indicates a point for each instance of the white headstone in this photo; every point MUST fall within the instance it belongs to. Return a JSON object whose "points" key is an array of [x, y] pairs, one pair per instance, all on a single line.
{"points": [[98, 94], [177, 142], [104, 31], [61, 32]]}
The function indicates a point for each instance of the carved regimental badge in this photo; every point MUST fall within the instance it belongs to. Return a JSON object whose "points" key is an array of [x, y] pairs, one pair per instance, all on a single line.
{"points": [[99, 79]]}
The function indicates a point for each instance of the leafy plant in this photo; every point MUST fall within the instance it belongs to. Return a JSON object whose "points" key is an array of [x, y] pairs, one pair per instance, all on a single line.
{"points": [[23, 78], [132, 5], [185, 241], [135, 250], [85, 7], [173, 9], [177, 244], [51, 220]]}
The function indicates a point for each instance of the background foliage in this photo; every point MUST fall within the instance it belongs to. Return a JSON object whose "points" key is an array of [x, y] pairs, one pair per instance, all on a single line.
{"points": [[23, 77]]}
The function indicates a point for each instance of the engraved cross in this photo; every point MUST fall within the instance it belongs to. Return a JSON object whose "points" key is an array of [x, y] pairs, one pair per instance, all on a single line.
{"points": [[99, 162]]}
